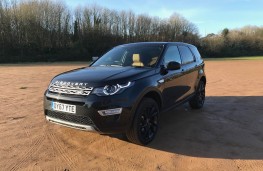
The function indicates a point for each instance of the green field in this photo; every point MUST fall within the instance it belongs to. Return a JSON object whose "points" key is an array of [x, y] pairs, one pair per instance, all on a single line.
{"points": [[235, 58]]}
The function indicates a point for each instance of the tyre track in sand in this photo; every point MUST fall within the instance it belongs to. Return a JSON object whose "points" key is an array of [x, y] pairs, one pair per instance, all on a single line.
{"points": [[61, 149], [107, 148], [25, 158], [110, 148]]}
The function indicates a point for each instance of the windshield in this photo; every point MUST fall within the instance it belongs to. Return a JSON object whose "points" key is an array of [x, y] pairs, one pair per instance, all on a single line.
{"points": [[136, 56]]}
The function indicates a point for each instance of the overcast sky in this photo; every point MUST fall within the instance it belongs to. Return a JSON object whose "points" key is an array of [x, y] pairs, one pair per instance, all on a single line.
{"points": [[210, 16]]}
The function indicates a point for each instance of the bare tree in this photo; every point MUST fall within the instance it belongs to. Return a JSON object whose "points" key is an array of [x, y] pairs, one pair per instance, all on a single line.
{"points": [[34, 30]]}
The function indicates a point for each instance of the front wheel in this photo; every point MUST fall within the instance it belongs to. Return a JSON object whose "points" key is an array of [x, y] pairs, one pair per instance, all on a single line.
{"points": [[145, 123], [198, 100]]}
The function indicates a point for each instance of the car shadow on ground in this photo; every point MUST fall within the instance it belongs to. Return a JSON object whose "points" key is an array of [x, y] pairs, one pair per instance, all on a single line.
{"points": [[227, 127]]}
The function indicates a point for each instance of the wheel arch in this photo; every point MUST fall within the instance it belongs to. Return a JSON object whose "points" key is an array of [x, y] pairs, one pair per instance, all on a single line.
{"points": [[132, 131], [153, 93], [155, 96], [203, 78], [149, 93]]}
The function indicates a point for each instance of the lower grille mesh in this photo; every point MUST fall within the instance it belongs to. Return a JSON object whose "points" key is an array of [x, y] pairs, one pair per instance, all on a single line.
{"points": [[85, 120]]}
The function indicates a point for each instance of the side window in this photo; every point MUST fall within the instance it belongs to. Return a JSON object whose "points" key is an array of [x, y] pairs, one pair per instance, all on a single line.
{"points": [[195, 52], [186, 54], [172, 54]]}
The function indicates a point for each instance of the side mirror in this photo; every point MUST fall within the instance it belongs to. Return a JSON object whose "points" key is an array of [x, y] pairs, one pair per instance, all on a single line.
{"points": [[95, 58], [173, 65]]}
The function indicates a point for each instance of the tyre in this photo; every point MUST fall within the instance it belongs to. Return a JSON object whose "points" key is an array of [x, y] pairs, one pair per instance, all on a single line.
{"points": [[145, 123], [198, 100]]}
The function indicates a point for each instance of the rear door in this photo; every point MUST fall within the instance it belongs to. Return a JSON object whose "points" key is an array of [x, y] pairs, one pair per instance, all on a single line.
{"points": [[188, 68]]}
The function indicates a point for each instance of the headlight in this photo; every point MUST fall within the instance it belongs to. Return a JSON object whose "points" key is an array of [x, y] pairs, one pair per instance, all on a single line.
{"points": [[111, 89]]}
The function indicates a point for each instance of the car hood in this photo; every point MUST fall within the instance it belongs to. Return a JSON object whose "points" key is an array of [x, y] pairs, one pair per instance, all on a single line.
{"points": [[100, 76]]}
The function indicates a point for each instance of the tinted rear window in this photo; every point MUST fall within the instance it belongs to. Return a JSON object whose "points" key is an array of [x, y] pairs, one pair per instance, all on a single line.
{"points": [[195, 52], [186, 54]]}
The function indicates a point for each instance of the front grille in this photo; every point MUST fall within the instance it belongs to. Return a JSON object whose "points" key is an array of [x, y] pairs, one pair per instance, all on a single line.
{"points": [[70, 88], [84, 120]]}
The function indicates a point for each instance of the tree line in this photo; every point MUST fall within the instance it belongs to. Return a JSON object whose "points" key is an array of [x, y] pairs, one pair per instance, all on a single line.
{"points": [[245, 41], [45, 30]]}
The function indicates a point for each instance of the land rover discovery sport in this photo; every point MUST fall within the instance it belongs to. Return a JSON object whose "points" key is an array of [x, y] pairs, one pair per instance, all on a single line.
{"points": [[125, 90]]}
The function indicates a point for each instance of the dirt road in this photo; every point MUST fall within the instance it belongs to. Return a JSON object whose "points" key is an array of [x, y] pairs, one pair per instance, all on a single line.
{"points": [[227, 134]]}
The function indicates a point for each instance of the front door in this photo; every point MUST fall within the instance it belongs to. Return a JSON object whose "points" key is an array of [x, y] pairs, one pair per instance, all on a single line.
{"points": [[175, 85]]}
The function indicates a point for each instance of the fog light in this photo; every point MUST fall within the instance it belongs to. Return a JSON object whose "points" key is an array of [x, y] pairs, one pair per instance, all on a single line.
{"points": [[107, 112]]}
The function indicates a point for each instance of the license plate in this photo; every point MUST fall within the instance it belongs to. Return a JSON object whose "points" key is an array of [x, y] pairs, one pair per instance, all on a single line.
{"points": [[63, 107]]}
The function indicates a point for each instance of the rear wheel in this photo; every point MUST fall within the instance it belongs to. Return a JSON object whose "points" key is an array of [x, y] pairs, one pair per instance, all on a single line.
{"points": [[145, 123], [198, 100]]}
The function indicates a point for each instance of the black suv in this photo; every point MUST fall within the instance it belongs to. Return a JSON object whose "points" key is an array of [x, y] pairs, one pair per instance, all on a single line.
{"points": [[125, 90]]}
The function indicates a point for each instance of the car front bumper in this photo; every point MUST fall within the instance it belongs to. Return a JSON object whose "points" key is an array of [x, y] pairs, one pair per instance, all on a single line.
{"points": [[87, 116]]}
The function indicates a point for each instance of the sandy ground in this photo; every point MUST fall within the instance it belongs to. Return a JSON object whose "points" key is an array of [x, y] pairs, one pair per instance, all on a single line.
{"points": [[227, 134]]}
